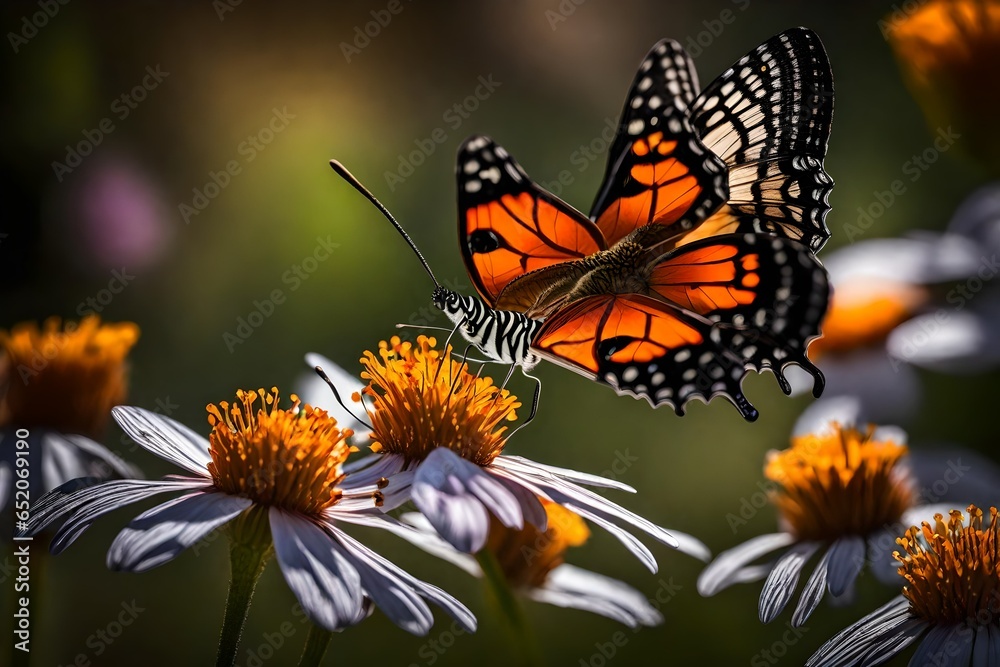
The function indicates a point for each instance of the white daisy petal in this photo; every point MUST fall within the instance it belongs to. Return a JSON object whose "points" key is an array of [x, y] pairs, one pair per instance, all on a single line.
{"points": [[459, 612], [812, 592], [313, 390], [950, 473], [568, 494], [630, 541], [940, 645], [400, 603], [426, 538], [721, 572], [6, 485], [67, 457], [84, 504], [886, 646], [691, 545], [531, 506], [442, 491], [923, 258], [369, 469], [820, 415], [573, 587], [986, 650], [159, 535], [527, 465], [961, 343], [978, 218], [847, 558], [324, 581], [847, 647], [168, 439], [784, 577]]}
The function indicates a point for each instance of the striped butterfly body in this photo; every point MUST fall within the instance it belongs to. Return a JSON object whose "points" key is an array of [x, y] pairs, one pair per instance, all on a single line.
{"points": [[697, 262], [503, 336]]}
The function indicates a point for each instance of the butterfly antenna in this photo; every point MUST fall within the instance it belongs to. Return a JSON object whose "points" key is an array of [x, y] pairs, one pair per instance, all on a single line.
{"points": [[349, 177], [336, 394]]}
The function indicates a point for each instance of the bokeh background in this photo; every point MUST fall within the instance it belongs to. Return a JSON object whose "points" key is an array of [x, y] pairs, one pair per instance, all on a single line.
{"points": [[229, 71]]}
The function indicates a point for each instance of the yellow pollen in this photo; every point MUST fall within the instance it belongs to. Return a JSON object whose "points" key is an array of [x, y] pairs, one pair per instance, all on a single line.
{"points": [[527, 556], [952, 571], [839, 483], [860, 316], [287, 458], [65, 378], [422, 399]]}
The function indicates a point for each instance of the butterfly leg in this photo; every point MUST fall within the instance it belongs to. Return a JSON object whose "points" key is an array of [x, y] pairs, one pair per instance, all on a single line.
{"points": [[534, 403]]}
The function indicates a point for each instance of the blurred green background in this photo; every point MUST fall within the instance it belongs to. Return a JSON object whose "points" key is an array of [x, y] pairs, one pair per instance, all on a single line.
{"points": [[559, 71]]}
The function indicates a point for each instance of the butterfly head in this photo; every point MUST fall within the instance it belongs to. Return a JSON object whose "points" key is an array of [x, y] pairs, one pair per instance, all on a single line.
{"points": [[446, 300]]}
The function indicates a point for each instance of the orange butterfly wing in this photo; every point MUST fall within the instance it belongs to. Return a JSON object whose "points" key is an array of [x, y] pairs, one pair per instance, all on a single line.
{"points": [[658, 171], [770, 292], [508, 225], [644, 348]]}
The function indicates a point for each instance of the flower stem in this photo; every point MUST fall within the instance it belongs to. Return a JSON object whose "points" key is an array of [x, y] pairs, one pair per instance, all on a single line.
{"points": [[510, 608], [248, 554], [316, 643]]}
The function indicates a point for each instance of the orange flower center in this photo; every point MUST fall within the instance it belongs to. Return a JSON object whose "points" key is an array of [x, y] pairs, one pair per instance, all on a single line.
{"points": [[288, 458], [860, 316], [527, 556], [65, 378], [952, 573], [840, 483], [422, 399]]}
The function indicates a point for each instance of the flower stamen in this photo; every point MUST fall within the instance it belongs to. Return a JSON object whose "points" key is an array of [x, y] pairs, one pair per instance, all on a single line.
{"points": [[952, 570], [421, 399], [287, 458], [843, 482], [66, 378]]}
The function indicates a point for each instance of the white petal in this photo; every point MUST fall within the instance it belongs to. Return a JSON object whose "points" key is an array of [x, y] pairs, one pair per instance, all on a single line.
{"points": [[978, 218], [367, 470], [784, 577], [324, 581], [945, 341], [573, 587], [6, 485], [691, 545], [526, 465], [394, 597], [68, 457], [946, 645], [847, 558], [720, 573], [565, 492], [812, 592], [954, 475], [415, 529], [450, 605], [315, 392], [85, 504], [444, 490], [847, 647], [168, 439], [923, 259], [159, 535], [983, 654], [820, 415]]}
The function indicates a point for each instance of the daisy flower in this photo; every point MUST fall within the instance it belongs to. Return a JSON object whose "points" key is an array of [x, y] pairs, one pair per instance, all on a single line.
{"points": [[947, 50], [272, 476], [438, 435], [885, 317], [59, 384], [532, 562], [950, 601], [837, 493]]}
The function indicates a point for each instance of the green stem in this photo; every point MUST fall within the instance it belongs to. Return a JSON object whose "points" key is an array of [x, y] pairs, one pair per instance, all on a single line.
{"points": [[510, 608], [316, 644], [248, 554]]}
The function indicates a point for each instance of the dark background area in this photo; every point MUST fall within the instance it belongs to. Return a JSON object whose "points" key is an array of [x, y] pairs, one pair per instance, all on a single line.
{"points": [[190, 277]]}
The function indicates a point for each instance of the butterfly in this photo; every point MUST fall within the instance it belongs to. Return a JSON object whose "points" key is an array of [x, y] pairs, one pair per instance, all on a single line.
{"points": [[697, 262]]}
